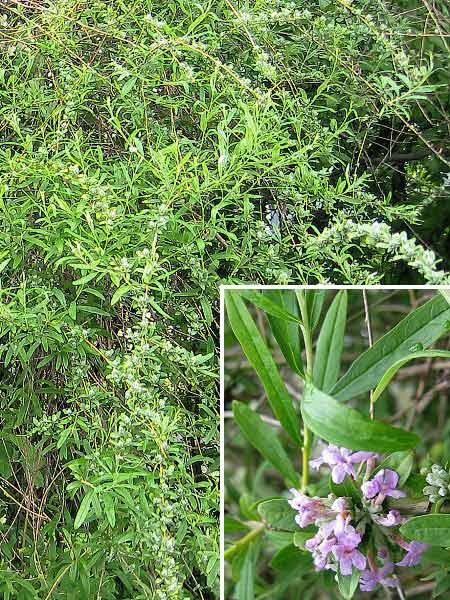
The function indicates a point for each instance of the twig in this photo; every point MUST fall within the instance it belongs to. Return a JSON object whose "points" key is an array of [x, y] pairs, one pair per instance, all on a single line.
{"points": [[369, 332]]}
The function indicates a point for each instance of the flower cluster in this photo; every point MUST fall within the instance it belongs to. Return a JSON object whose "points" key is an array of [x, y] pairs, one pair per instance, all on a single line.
{"points": [[349, 529], [439, 483], [379, 235]]}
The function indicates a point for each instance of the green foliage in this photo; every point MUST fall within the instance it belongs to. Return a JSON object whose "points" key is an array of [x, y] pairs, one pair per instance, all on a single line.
{"points": [[347, 427], [429, 529]]}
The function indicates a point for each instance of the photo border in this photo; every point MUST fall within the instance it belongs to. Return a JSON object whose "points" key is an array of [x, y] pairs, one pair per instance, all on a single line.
{"points": [[222, 289]]}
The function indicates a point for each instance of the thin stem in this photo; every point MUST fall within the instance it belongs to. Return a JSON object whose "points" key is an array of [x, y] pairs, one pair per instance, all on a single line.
{"points": [[438, 505], [249, 537], [305, 457], [369, 333], [307, 337]]}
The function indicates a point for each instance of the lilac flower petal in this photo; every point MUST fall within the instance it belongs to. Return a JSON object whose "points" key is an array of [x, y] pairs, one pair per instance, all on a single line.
{"points": [[386, 569], [390, 478], [345, 564], [316, 463], [350, 538], [339, 505], [338, 473], [370, 488], [358, 457], [396, 494], [327, 546], [359, 560], [368, 581], [332, 454], [340, 460], [392, 519], [413, 554], [312, 543]]}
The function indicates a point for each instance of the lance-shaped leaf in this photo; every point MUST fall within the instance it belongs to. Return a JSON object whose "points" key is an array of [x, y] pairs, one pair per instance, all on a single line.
{"points": [[330, 344], [270, 307], [287, 333], [260, 358], [418, 330], [344, 426], [245, 587], [314, 304], [390, 373], [348, 583], [428, 529], [84, 508], [265, 440]]}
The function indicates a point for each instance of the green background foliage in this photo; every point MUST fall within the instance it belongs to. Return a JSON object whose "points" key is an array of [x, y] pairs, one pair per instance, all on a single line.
{"points": [[150, 151]]}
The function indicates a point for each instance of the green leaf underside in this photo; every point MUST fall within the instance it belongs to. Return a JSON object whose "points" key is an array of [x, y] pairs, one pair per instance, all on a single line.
{"points": [[84, 509], [348, 583], [330, 344], [287, 333], [390, 373], [245, 588], [343, 426], [261, 359], [423, 325], [278, 514], [428, 529], [265, 440], [291, 557]]}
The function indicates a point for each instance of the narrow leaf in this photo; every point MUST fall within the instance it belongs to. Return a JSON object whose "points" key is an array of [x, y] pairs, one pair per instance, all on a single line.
{"points": [[287, 333], [330, 344], [314, 302], [121, 291], [421, 327], [245, 588], [348, 583], [267, 305], [110, 512], [261, 359], [343, 426], [265, 440], [390, 373], [83, 511]]}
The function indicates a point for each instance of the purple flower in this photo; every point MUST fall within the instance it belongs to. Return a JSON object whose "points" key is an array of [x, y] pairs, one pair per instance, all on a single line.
{"points": [[392, 519], [341, 461], [382, 485], [309, 509], [413, 554], [371, 578], [345, 551]]}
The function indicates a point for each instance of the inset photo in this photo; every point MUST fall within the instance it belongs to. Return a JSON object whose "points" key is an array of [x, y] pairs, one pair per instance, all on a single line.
{"points": [[335, 443]]}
